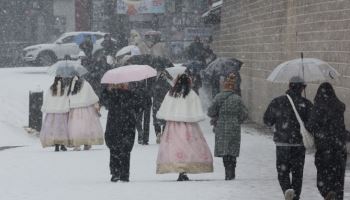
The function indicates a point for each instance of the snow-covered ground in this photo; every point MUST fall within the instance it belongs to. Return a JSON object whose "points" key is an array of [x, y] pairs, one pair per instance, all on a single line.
{"points": [[33, 173]]}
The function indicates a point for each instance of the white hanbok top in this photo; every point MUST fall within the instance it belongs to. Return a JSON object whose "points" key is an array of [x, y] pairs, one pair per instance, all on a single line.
{"points": [[55, 104], [84, 98], [188, 109]]}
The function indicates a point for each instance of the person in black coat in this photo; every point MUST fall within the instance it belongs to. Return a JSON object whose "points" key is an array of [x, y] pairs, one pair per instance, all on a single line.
{"points": [[327, 125], [196, 51], [87, 46], [290, 151], [123, 105], [143, 89], [96, 71], [160, 88], [109, 46]]}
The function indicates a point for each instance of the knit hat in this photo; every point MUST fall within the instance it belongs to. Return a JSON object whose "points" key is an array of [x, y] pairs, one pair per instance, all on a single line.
{"points": [[229, 82]]}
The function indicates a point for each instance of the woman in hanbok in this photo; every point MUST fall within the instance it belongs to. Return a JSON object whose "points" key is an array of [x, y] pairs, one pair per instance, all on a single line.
{"points": [[54, 130], [183, 148], [84, 124]]}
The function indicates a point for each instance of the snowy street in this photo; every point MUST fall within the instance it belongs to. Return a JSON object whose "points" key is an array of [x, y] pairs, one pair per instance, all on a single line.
{"points": [[30, 172]]}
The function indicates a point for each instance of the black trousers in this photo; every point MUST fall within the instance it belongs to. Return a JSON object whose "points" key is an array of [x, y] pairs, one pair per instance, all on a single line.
{"points": [[119, 163], [290, 160], [229, 161], [143, 123], [331, 166]]}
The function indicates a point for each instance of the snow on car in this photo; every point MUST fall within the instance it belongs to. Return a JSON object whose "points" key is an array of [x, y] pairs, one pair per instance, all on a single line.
{"points": [[66, 44]]}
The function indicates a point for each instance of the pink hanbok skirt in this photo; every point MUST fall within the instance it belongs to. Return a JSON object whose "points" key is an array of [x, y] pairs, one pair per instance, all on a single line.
{"points": [[183, 148], [84, 127], [54, 130]]}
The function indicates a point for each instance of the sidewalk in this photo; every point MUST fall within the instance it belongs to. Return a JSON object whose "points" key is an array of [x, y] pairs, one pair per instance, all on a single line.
{"points": [[33, 173]]}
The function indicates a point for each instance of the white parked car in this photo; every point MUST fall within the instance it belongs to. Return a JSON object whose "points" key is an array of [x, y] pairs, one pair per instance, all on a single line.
{"points": [[66, 44]]}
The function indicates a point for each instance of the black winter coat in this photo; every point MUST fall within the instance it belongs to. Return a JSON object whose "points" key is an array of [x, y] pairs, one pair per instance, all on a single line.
{"points": [[96, 72], [160, 88], [123, 106], [109, 47], [281, 115], [87, 47], [327, 125]]}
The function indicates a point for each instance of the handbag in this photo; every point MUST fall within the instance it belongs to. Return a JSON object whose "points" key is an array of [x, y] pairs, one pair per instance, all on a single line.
{"points": [[308, 139]]}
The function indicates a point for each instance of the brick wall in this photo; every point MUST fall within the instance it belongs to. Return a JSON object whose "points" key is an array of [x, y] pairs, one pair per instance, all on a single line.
{"points": [[264, 33]]}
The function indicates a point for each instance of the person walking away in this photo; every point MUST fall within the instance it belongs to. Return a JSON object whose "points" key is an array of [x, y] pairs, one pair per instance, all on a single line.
{"points": [[193, 70], [123, 105], [143, 118], [210, 56], [156, 46], [54, 130], [109, 48], [228, 113], [160, 89], [87, 46], [327, 125], [196, 51], [84, 123], [183, 148], [290, 151], [96, 71], [136, 39]]}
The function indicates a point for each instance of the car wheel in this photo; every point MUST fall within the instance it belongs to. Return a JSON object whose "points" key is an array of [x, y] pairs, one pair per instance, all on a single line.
{"points": [[46, 59]]}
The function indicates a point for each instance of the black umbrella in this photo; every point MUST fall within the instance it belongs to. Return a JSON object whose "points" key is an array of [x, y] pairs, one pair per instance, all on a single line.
{"points": [[144, 59], [223, 67], [161, 63], [156, 62]]}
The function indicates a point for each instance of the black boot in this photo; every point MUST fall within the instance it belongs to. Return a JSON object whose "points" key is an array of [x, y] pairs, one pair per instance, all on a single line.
{"points": [[115, 178], [229, 173], [230, 167], [331, 196], [183, 177], [63, 148], [57, 147]]}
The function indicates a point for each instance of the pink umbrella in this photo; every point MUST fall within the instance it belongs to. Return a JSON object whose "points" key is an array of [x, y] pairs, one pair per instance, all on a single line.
{"points": [[128, 73]]}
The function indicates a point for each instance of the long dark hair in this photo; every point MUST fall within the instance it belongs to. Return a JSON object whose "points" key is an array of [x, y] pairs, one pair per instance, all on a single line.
{"points": [[182, 86], [77, 87], [54, 86], [326, 94]]}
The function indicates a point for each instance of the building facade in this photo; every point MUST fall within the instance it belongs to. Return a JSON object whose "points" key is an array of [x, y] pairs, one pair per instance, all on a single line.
{"points": [[264, 33], [178, 20], [23, 23]]}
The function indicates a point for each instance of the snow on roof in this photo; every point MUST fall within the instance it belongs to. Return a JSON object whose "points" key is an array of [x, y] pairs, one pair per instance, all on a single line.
{"points": [[214, 6]]}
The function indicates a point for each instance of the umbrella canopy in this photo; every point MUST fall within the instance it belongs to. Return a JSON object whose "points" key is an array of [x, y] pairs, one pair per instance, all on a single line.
{"points": [[176, 70], [157, 62], [143, 59], [67, 68], [310, 69], [78, 39], [131, 49], [128, 74], [160, 63], [223, 66]]}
